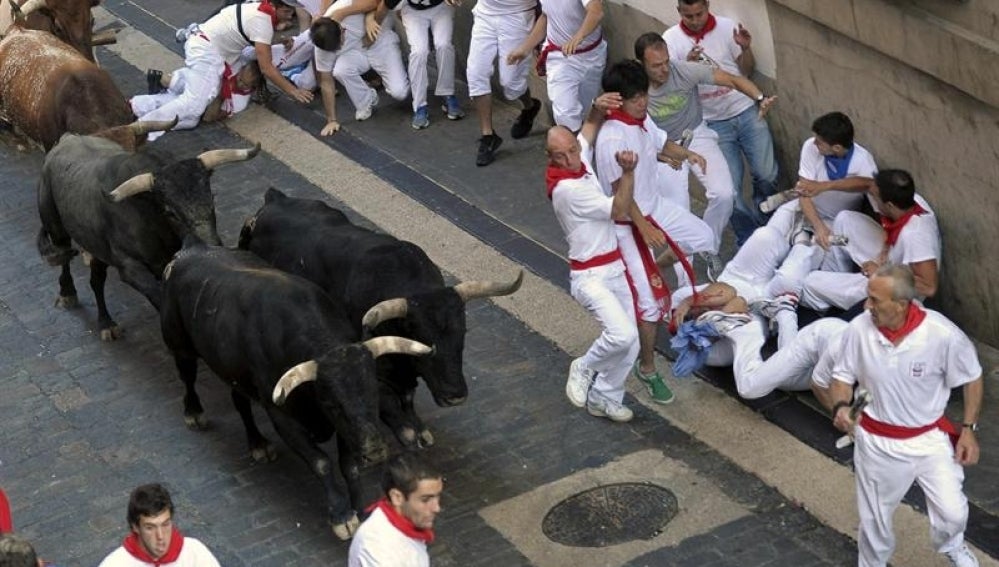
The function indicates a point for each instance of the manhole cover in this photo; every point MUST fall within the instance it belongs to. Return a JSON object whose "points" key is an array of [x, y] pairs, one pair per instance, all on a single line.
{"points": [[609, 515]]}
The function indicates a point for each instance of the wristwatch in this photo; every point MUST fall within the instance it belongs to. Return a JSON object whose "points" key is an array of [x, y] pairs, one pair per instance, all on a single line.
{"points": [[760, 98], [972, 426]]}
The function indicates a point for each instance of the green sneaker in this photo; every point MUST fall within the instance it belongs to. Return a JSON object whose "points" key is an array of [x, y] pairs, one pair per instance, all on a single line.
{"points": [[658, 390]]}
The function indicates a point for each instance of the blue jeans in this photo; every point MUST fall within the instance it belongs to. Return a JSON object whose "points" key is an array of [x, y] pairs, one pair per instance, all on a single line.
{"points": [[747, 133]]}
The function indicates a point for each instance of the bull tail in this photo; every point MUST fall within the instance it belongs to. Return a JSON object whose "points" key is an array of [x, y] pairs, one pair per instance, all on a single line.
{"points": [[54, 254]]}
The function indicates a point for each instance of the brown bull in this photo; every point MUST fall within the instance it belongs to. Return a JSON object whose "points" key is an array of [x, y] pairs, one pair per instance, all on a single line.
{"points": [[48, 89], [69, 20]]}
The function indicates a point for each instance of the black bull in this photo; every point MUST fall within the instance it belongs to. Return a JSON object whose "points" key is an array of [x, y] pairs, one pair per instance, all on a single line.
{"points": [[281, 340], [392, 279]]}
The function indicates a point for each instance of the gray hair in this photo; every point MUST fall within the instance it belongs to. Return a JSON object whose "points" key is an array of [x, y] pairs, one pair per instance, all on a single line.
{"points": [[903, 282], [15, 551]]}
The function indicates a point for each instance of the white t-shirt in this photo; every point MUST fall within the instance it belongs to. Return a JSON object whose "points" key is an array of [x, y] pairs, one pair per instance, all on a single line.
{"points": [[909, 383], [353, 37], [193, 554], [584, 212], [616, 136], [311, 6], [565, 17], [718, 103], [378, 543], [223, 33], [919, 239], [812, 165], [503, 7]]}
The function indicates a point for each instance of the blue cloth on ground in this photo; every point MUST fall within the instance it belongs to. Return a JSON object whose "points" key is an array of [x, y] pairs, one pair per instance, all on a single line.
{"points": [[691, 344]]}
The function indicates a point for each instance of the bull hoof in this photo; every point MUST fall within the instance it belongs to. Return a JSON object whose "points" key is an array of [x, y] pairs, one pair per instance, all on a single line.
{"points": [[347, 529], [196, 422], [110, 334], [265, 454], [426, 439], [67, 302]]}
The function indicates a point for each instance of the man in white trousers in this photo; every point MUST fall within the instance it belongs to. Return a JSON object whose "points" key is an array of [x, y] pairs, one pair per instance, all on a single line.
{"points": [[631, 128], [498, 28], [909, 358], [598, 280], [906, 234], [210, 51], [719, 42], [341, 54], [675, 107], [420, 18], [572, 58]]}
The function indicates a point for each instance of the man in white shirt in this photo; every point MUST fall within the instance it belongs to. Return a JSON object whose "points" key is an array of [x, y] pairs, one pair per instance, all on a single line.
{"points": [[721, 43], [586, 215], [573, 57], [401, 523], [906, 234], [909, 359], [154, 539], [209, 53]]}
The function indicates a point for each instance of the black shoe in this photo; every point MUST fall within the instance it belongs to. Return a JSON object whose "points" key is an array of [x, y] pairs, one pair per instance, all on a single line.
{"points": [[522, 127], [488, 145], [153, 81]]}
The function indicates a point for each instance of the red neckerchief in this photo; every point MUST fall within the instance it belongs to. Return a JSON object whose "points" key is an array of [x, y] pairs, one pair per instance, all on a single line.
{"points": [[622, 116], [555, 174], [698, 36], [913, 317], [133, 545], [660, 291], [402, 523], [894, 227], [269, 9], [6, 523]]}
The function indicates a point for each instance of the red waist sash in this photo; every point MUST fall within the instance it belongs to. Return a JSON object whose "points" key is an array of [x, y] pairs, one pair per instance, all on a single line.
{"points": [[542, 64], [598, 260], [882, 429]]}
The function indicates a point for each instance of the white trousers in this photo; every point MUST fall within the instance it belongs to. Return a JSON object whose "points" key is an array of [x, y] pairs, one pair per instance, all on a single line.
{"points": [[385, 58], [690, 234], [203, 81], [604, 292], [837, 284], [573, 82], [789, 369], [419, 24], [493, 37], [885, 469], [716, 179]]}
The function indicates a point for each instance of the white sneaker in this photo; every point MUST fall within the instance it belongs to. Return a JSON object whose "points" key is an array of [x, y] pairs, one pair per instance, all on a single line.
{"points": [[365, 113], [579, 382], [769, 308], [962, 557], [724, 322], [715, 265], [771, 203], [599, 405]]}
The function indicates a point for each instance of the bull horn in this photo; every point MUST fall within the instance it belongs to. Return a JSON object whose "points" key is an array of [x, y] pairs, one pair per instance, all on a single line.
{"points": [[383, 311], [293, 378], [214, 158], [138, 184], [142, 127], [480, 289], [396, 345], [30, 6], [106, 37], [15, 13]]}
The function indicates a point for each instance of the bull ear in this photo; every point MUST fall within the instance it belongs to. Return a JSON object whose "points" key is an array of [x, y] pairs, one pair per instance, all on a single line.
{"points": [[383, 311], [396, 345], [214, 158], [294, 377], [138, 184], [480, 289]]}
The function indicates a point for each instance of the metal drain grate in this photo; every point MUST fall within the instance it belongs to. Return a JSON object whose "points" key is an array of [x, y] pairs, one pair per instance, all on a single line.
{"points": [[611, 514]]}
